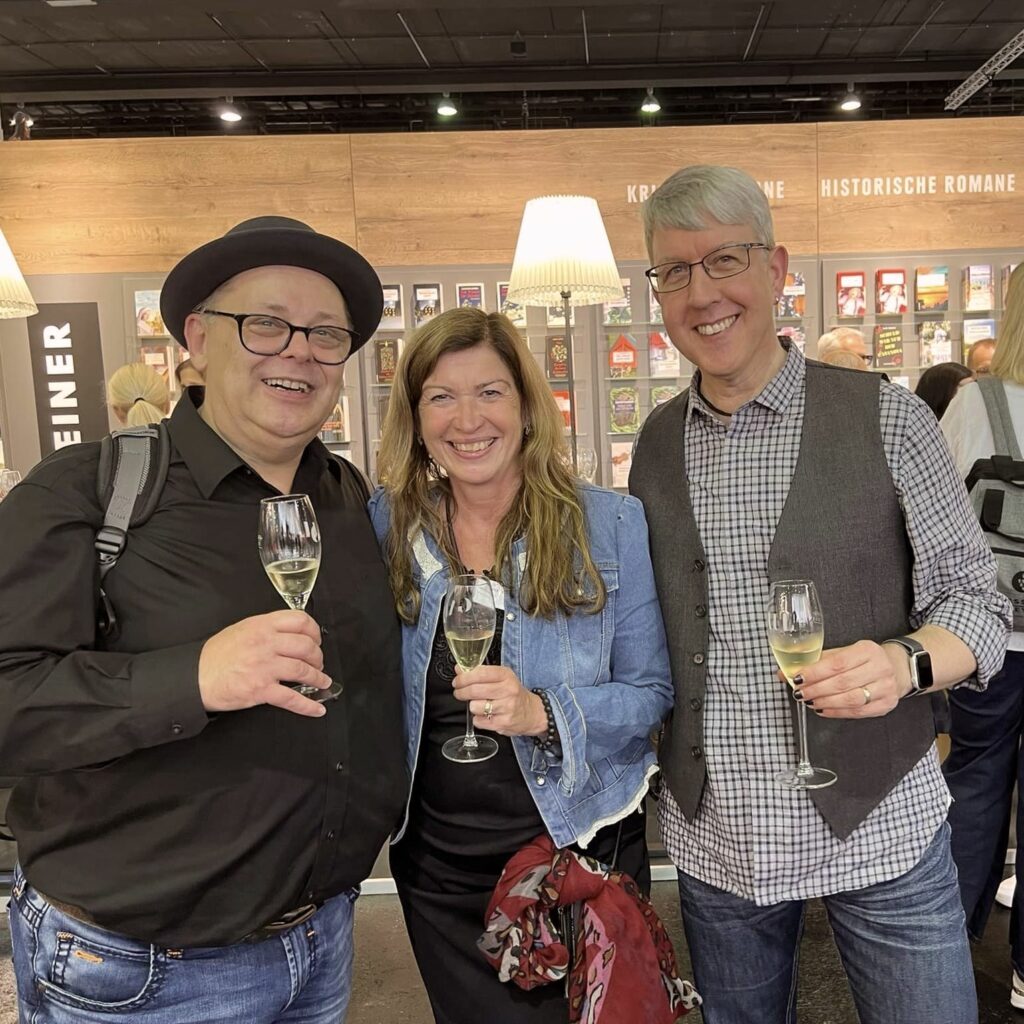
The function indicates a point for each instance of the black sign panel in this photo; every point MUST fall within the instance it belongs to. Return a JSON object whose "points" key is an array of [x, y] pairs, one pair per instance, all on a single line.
{"points": [[67, 371]]}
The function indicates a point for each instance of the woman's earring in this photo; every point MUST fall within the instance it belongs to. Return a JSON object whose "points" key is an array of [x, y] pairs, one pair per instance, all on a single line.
{"points": [[527, 430]]}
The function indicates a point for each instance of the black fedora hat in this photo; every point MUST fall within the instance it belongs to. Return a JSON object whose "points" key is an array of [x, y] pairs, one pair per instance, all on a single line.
{"points": [[269, 242]]}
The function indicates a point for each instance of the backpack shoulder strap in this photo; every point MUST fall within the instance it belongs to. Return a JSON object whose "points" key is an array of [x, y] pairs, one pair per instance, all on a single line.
{"points": [[998, 409]]}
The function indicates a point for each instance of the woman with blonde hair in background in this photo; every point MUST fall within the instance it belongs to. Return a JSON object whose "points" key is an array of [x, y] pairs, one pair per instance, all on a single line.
{"points": [[138, 395]]}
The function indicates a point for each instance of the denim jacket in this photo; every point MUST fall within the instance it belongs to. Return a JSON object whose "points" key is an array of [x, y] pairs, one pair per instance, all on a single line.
{"points": [[607, 674]]}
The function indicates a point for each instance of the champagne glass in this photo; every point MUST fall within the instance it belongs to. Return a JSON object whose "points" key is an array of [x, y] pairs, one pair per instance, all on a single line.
{"points": [[289, 543], [469, 621], [796, 633], [586, 464]]}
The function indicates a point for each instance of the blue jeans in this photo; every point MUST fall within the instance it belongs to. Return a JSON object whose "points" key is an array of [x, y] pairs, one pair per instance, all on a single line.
{"points": [[983, 765], [72, 973], [902, 942]]}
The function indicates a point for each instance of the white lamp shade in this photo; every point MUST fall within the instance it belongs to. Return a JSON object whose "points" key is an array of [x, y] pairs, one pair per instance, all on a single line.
{"points": [[15, 298], [563, 247]]}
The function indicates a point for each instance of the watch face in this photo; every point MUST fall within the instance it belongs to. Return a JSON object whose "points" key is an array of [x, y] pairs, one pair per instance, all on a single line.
{"points": [[921, 670]]}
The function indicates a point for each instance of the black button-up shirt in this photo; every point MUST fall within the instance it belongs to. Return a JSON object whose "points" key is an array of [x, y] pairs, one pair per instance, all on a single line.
{"points": [[160, 821]]}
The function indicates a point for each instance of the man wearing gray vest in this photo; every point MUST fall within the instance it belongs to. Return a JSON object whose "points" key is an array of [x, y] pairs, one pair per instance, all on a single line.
{"points": [[746, 480]]}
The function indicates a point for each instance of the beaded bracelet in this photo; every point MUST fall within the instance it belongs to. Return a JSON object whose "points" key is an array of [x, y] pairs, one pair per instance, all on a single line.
{"points": [[550, 738]]}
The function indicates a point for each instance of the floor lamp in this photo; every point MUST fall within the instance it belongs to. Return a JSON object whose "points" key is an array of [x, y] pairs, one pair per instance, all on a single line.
{"points": [[15, 298], [563, 256]]}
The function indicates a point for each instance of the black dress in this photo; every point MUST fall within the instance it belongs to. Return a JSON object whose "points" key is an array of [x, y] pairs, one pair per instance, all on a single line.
{"points": [[465, 822]]}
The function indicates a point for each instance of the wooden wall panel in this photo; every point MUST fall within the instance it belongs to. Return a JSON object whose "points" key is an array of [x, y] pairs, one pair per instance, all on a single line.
{"points": [[133, 205], [452, 197], [941, 220]]}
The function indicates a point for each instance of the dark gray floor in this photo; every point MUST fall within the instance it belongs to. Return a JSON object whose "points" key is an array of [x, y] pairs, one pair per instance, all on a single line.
{"points": [[387, 986]]}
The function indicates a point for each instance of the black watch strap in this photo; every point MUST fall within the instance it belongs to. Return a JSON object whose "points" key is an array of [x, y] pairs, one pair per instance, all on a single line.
{"points": [[921, 678]]}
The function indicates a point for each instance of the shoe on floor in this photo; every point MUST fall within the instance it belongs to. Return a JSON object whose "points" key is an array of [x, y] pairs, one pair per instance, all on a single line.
{"points": [[1017, 992], [1004, 894]]}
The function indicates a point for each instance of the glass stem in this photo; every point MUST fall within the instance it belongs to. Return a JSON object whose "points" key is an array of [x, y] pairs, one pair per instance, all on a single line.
{"points": [[470, 737], [804, 766]]}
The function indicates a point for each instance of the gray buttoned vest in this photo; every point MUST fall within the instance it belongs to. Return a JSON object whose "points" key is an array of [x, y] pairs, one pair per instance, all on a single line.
{"points": [[841, 527]]}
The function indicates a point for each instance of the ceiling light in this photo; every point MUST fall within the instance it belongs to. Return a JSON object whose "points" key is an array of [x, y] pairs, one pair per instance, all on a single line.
{"points": [[229, 112], [445, 107], [851, 101], [650, 104]]}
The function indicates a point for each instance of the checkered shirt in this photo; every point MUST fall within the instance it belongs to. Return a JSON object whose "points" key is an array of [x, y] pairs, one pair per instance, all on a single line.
{"points": [[750, 836]]}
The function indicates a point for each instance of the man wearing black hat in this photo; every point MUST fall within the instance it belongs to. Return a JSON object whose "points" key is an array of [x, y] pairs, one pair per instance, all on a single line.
{"points": [[192, 829]]}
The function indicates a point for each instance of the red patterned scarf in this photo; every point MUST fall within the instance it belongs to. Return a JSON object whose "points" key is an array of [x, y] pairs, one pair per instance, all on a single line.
{"points": [[624, 966]]}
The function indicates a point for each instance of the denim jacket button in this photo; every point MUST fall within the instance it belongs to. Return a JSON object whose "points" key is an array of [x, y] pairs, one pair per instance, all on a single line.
{"points": [[511, 616], [539, 779]]}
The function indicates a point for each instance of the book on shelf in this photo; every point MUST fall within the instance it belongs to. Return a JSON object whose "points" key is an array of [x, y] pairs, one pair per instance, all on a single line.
{"points": [[148, 321], [795, 333], [662, 355], [513, 310], [564, 406], [335, 428], [793, 301], [471, 295], [976, 330], [888, 347], [978, 291], [556, 357], [662, 393], [936, 340], [931, 289], [655, 308], [427, 302], [622, 462], [890, 291], [618, 311], [850, 293], [622, 361], [1004, 278], [385, 358], [393, 317], [624, 409]]}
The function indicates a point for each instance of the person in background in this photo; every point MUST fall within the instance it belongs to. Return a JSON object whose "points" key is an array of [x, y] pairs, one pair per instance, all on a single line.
{"points": [[843, 357], [187, 375], [847, 339], [477, 479], [980, 355], [938, 384], [985, 760], [746, 481], [191, 828], [137, 395]]}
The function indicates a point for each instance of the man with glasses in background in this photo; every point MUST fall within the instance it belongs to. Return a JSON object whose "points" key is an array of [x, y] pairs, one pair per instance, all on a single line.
{"points": [[191, 829], [746, 480]]}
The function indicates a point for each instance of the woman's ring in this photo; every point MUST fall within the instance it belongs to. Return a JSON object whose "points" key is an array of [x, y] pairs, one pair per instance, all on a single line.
{"points": [[489, 708], [867, 694]]}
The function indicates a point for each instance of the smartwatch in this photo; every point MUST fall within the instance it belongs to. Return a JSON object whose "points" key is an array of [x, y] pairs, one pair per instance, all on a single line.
{"points": [[920, 663]]}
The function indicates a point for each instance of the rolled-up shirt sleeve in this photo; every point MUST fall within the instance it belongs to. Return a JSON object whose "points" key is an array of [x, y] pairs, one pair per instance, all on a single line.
{"points": [[954, 574]]}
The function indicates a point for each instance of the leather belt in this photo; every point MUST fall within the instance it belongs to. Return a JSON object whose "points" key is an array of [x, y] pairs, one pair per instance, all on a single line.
{"points": [[284, 923]]}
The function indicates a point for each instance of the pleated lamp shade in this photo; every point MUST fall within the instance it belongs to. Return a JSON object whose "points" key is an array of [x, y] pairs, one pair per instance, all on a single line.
{"points": [[563, 247], [15, 298]]}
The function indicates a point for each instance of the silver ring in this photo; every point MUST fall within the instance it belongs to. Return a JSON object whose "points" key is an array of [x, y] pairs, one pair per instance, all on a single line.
{"points": [[867, 694], [488, 708]]}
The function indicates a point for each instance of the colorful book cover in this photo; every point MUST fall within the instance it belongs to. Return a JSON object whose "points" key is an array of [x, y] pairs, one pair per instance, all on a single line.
{"points": [[393, 318], [936, 340], [148, 321], [664, 393], [624, 406], [619, 311], [562, 401], [513, 310], [622, 462], [888, 346], [426, 302], [793, 301], [471, 295], [1004, 278], [978, 330], [890, 292], [931, 289], [655, 306], [622, 359], [795, 333], [850, 293], [978, 291], [556, 316], [335, 428], [663, 355], [385, 359], [557, 357]]}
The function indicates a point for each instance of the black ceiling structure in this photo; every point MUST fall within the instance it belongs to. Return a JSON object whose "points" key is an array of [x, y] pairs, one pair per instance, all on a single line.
{"points": [[160, 67]]}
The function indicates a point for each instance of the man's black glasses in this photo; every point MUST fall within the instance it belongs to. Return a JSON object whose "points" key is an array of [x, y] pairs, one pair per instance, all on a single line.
{"points": [[265, 335]]}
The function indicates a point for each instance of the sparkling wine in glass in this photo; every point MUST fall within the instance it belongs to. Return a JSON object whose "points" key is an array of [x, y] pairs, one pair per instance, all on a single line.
{"points": [[289, 543], [796, 633], [469, 620]]}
